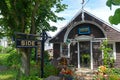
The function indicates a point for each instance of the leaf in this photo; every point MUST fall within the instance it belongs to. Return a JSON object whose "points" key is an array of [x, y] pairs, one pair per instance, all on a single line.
{"points": [[115, 19], [109, 3], [26, 15], [116, 2]]}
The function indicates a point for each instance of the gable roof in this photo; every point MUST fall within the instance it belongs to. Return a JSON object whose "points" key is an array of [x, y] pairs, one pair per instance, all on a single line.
{"points": [[111, 32]]}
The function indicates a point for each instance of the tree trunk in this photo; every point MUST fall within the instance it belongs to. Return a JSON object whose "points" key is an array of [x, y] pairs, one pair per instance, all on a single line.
{"points": [[26, 61], [33, 27]]}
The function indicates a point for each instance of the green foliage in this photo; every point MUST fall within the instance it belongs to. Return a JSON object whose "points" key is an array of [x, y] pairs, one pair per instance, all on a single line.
{"points": [[114, 77], [85, 58], [49, 69], [8, 49], [109, 3], [115, 19], [29, 16], [33, 57], [3, 59], [9, 74], [107, 60], [31, 78], [115, 71], [14, 59], [46, 56], [1, 49], [5, 49], [111, 74]]}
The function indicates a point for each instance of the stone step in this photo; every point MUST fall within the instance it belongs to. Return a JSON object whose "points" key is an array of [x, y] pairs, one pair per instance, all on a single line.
{"points": [[85, 74]]}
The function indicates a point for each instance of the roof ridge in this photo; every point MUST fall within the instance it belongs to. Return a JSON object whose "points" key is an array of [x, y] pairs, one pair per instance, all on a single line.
{"points": [[78, 13]]}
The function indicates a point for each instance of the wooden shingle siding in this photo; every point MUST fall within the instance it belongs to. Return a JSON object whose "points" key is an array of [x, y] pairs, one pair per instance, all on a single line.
{"points": [[56, 51], [59, 37], [117, 62], [74, 54], [94, 31], [112, 34]]}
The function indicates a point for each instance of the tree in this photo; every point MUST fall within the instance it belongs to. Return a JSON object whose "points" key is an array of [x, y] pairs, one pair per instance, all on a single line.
{"points": [[29, 16], [115, 19]]}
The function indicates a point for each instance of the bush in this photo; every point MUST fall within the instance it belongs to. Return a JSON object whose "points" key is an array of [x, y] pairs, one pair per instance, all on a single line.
{"points": [[3, 59], [114, 77], [116, 70], [14, 59], [49, 69], [1, 49], [8, 49]]}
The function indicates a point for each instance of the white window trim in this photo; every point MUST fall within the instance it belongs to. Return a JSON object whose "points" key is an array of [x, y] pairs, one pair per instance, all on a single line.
{"points": [[114, 49], [61, 50]]}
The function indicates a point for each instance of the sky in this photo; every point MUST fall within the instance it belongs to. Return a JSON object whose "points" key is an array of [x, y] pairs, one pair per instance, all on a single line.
{"points": [[95, 7]]}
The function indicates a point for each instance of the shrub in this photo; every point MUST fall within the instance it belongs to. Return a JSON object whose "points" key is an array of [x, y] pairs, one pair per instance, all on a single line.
{"points": [[3, 59], [115, 71], [114, 77], [107, 60], [49, 69], [1, 49], [14, 59], [8, 49], [109, 74]]}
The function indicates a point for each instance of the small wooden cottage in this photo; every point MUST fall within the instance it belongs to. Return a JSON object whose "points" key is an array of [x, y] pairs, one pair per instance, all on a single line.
{"points": [[80, 40]]}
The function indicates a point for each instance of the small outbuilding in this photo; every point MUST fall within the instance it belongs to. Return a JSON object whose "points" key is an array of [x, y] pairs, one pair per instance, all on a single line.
{"points": [[79, 41]]}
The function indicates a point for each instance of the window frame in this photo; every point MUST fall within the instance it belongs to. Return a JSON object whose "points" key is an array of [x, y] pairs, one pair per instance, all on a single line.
{"points": [[66, 48], [114, 49]]}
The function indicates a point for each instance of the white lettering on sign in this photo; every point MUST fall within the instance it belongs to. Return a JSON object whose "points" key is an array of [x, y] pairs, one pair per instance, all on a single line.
{"points": [[27, 43]]}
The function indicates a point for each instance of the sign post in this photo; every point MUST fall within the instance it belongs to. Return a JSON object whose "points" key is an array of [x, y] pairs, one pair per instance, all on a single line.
{"points": [[28, 41], [44, 38]]}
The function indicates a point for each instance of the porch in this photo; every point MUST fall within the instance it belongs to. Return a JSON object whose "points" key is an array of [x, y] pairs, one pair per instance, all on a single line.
{"points": [[84, 52]]}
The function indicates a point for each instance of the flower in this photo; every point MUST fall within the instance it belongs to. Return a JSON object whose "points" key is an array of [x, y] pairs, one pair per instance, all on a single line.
{"points": [[102, 69], [63, 61], [67, 73]]}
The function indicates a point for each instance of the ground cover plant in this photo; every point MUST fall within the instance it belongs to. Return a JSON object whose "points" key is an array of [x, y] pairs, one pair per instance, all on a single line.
{"points": [[11, 62]]}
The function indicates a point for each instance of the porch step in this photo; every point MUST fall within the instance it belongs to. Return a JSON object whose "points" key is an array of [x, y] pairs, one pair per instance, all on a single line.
{"points": [[84, 74]]}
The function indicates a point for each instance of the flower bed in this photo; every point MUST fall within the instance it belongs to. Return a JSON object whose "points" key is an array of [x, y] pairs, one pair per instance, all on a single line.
{"points": [[107, 74]]}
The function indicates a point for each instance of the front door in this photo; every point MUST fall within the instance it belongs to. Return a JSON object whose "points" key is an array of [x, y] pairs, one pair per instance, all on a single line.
{"points": [[84, 49]]}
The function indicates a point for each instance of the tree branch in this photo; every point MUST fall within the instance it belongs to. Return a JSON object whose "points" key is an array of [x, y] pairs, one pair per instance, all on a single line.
{"points": [[33, 27]]}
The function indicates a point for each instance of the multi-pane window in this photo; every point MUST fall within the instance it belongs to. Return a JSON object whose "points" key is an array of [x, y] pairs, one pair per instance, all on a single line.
{"points": [[64, 50], [110, 46]]}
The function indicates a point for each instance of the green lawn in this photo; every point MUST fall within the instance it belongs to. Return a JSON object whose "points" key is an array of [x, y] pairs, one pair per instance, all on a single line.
{"points": [[9, 74]]}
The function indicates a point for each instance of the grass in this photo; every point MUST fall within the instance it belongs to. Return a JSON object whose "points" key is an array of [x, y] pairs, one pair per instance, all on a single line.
{"points": [[9, 74]]}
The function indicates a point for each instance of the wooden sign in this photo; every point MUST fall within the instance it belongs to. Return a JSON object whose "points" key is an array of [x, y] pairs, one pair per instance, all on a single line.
{"points": [[84, 30], [26, 43]]}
